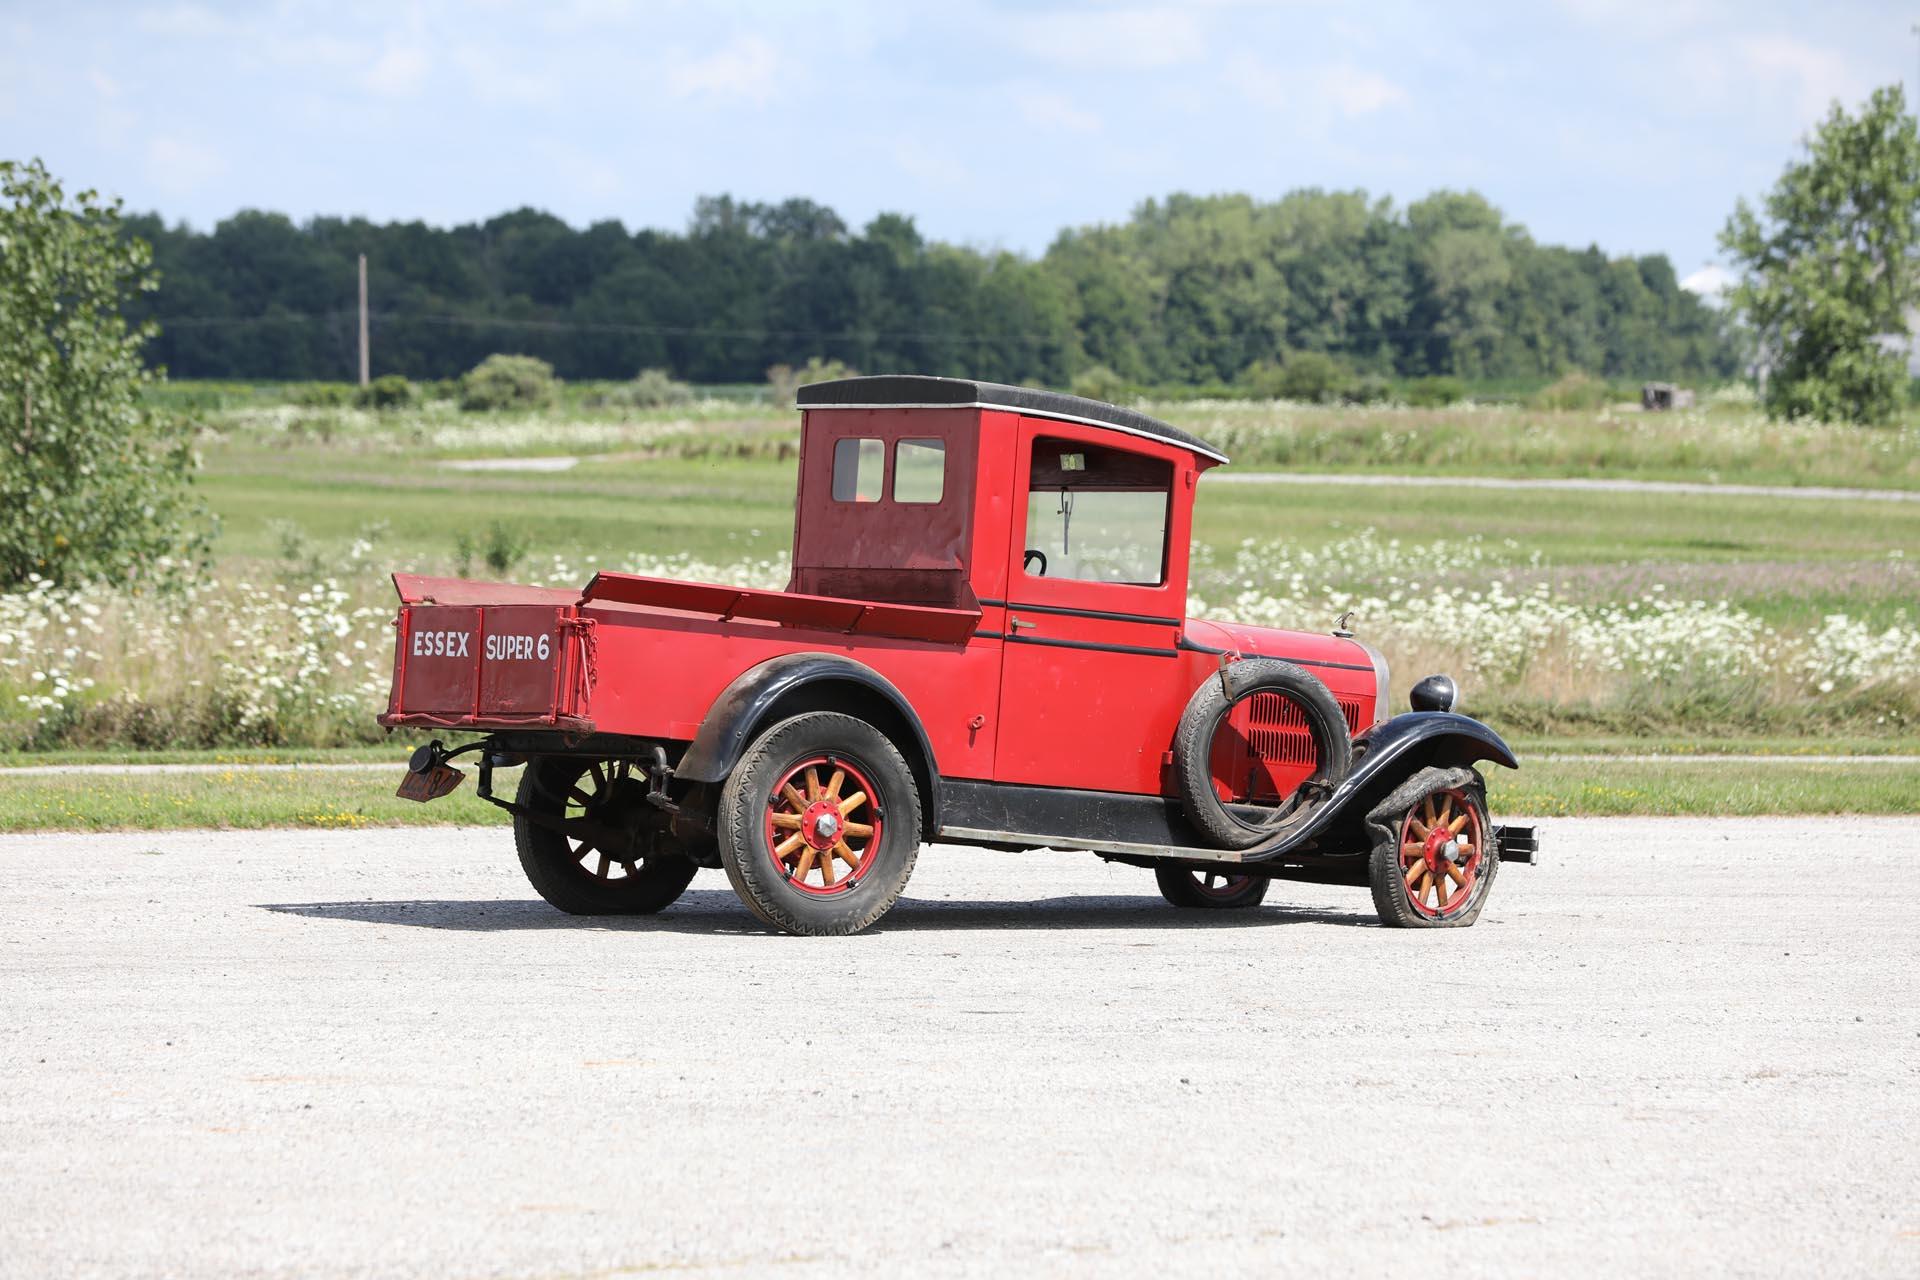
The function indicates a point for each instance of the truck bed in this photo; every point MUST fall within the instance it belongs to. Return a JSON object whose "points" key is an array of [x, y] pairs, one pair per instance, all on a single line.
{"points": [[485, 655]]}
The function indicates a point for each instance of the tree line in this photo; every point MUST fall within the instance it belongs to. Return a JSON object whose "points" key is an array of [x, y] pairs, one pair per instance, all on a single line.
{"points": [[1190, 290]]}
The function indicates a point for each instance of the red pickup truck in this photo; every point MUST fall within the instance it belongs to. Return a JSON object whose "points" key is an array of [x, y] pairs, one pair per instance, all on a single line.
{"points": [[984, 642]]}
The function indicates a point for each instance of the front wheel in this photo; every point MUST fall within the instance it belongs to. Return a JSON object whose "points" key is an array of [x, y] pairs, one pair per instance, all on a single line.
{"points": [[1437, 867], [1210, 890], [820, 825]]}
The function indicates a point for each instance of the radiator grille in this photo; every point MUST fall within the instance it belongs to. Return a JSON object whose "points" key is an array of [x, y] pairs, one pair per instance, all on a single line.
{"points": [[1279, 749]]}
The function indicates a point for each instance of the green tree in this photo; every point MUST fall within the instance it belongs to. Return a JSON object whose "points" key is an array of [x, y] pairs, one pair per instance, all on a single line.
{"points": [[1828, 268], [92, 483]]}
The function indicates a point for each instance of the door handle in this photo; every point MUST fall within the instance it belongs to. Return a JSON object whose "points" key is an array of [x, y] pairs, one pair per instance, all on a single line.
{"points": [[1014, 624]]}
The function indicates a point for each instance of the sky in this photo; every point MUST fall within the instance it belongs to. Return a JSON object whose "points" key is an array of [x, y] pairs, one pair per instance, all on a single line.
{"points": [[1631, 124]]}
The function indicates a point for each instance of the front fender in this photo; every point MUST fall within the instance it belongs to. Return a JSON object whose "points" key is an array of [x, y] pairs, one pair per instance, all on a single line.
{"points": [[743, 707], [1387, 755]]}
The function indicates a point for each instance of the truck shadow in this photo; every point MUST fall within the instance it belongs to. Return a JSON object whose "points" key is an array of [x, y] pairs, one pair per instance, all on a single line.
{"points": [[718, 911]]}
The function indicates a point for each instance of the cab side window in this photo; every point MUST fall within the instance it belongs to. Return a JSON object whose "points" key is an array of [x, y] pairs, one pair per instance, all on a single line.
{"points": [[1096, 514]]}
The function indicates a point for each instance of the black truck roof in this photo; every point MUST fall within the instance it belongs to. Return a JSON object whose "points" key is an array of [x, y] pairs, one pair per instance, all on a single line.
{"points": [[920, 391]]}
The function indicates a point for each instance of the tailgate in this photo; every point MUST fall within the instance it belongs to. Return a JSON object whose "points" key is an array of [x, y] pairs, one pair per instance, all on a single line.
{"points": [[492, 666]]}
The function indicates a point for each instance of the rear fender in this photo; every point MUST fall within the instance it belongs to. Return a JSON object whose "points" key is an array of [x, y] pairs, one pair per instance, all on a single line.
{"points": [[800, 682], [1388, 755]]}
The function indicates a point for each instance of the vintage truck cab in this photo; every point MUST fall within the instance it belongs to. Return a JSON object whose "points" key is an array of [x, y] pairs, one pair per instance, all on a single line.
{"points": [[983, 642]]}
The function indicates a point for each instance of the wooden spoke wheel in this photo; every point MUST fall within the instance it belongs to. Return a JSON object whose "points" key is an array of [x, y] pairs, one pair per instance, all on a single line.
{"points": [[1436, 871], [1210, 890], [1442, 845], [823, 826], [819, 824], [590, 842]]}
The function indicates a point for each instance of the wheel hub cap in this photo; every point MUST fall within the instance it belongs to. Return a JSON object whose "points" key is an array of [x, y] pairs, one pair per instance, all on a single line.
{"points": [[821, 822], [823, 825]]}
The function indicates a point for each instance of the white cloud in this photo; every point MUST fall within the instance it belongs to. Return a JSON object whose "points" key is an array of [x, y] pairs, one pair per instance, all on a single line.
{"points": [[400, 72], [1816, 77], [1355, 92], [179, 166], [746, 69], [103, 84], [1050, 110], [1710, 282], [931, 167], [1111, 39], [498, 79], [1641, 17], [190, 20], [1257, 82], [1341, 89]]}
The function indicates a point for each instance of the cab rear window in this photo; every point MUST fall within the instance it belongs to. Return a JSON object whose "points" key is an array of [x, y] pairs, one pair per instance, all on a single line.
{"points": [[919, 471], [859, 470]]}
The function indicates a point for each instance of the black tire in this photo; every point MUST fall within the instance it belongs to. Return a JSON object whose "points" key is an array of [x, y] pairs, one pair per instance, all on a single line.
{"points": [[557, 864], [1209, 707], [781, 889], [1197, 890], [1393, 863]]}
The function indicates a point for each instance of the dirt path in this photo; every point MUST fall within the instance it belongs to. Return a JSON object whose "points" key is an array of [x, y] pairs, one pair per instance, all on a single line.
{"points": [[1811, 492], [1678, 1047]]}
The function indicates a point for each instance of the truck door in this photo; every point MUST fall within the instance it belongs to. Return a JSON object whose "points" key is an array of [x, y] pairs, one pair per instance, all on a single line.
{"points": [[1091, 683]]}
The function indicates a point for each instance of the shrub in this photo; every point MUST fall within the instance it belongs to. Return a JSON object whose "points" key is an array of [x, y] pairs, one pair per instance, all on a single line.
{"points": [[651, 389], [1368, 388], [1312, 377], [388, 391], [1435, 393], [509, 382], [320, 395], [1261, 380], [785, 380], [502, 548], [1575, 390], [1097, 382]]}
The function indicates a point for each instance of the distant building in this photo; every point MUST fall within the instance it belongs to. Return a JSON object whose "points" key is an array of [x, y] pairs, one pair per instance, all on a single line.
{"points": [[1661, 396]]}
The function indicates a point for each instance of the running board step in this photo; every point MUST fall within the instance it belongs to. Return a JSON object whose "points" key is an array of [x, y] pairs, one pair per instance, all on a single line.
{"points": [[1518, 844]]}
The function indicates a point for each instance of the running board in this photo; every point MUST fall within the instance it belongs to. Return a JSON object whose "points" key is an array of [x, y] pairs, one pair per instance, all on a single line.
{"points": [[1517, 844], [1183, 852]]}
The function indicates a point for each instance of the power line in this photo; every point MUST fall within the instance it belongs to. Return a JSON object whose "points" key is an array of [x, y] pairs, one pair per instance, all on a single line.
{"points": [[474, 321]]}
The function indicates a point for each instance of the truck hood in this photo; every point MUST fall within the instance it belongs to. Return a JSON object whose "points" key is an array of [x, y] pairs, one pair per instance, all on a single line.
{"points": [[1322, 654]]}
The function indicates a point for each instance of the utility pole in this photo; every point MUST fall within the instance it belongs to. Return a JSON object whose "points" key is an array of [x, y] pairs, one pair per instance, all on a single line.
{"points": [[365, 350]]}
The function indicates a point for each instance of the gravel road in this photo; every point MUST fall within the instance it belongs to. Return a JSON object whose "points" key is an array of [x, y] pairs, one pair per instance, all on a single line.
{"points": [[1680, 1047]]}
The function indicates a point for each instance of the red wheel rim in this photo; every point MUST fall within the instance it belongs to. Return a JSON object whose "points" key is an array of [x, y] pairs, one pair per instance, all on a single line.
{"points": [[1442, 846], [1216, 885], [823, 826]]}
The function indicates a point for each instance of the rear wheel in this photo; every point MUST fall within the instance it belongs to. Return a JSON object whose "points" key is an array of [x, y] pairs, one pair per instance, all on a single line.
{"points": [[1210, 890], [1438, 867], [820, 824], [607, 859]]}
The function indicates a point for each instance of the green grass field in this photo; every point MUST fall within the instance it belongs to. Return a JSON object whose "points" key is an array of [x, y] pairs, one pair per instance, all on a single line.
{"points": [[1789, 561], [716, 482]]}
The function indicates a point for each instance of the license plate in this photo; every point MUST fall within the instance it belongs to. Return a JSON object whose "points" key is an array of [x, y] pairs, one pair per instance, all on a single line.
{"points": [[431, 785]]}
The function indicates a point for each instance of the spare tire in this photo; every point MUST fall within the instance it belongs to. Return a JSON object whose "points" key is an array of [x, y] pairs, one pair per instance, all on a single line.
{"points": [[1209, 708]]}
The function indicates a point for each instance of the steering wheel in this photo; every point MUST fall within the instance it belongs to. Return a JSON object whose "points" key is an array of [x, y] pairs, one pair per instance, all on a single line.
{"points": [[1033, 555]]}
